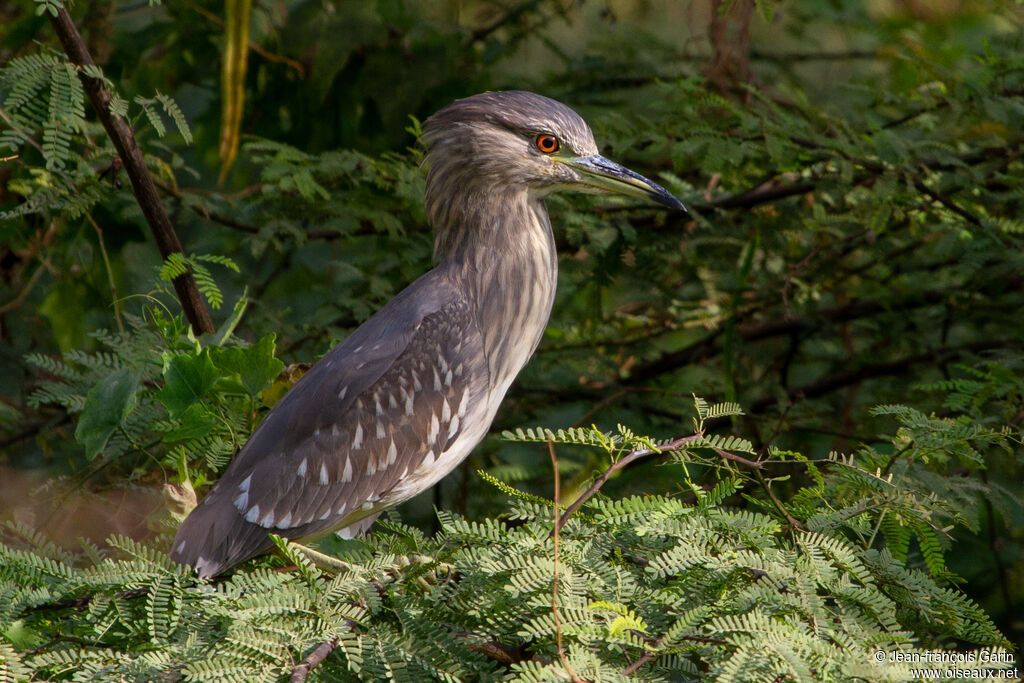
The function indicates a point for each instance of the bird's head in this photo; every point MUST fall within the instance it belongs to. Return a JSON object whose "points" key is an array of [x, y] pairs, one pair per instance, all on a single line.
{"points": [[518, 141]]}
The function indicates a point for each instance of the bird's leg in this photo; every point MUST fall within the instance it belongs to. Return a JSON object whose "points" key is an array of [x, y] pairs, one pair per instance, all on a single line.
{"points": [[334, 565], [322, 560]]}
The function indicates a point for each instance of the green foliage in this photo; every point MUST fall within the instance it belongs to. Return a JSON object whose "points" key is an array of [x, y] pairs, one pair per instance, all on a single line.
{"points": [[170, 108], [849, 274], [187, 380], [708, 591], [681, 577], [178, 264], [43, 92], [105, 409], [156, 386]]}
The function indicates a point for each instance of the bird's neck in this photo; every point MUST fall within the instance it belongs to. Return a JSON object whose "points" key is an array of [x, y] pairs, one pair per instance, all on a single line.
{"points": [[504, 253]]}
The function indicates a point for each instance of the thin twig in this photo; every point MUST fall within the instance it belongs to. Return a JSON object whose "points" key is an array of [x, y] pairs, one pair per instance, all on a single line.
{"points": [[793, 523], [657, 642], [605, 402], [110, 273], [866, 371], [554, 584], [615, 467], [28, 138], [206, 213], [738, 458], [756, 331], [25, 291], [644, 658], [365, 228], [34, 429], [765, 193], [82, 601], [949, 204]]}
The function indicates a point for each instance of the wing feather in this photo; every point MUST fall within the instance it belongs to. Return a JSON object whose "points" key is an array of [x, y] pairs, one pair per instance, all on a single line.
{"points": [[382, 406]]}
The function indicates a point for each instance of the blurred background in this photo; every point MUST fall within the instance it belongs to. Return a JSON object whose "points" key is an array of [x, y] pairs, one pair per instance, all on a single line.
{"points": [[853, 170]]}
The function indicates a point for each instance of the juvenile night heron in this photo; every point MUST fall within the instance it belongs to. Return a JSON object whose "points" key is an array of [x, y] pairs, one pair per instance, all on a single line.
{"points": [[405, 398]]}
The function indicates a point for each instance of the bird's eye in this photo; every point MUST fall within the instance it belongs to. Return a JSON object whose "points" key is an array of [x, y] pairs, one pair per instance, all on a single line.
{"points": [[547, 143]]}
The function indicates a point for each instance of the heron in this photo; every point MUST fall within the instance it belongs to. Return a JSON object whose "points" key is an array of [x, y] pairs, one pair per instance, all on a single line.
{"points": [[405, 398]]}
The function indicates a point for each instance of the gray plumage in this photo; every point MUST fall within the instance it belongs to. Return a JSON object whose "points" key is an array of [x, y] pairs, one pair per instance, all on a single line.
{"points": [[405, 398]]}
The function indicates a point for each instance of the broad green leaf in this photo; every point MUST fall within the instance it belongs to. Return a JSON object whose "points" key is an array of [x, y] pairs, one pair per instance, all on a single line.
{"points": [[253, 366], [194, 423], [106, 406], [187, 379]]}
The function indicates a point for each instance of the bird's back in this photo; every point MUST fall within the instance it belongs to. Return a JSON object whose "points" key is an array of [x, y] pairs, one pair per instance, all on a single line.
{"points": [[380, 417]]}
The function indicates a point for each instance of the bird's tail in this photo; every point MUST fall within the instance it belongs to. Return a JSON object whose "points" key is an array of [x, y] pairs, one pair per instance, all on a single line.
{"points": [[215, 537]]}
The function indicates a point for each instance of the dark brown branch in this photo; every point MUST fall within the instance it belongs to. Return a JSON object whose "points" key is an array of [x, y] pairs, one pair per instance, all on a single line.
{"points": [[756, 331], [773, 190], [643, 659], [499, 652], [763, 194], [738, 459], [34, 429], [827, 385], [608, 400], [312, 660], [143, 187], [814, 56], [365, 227], [948, 203], [656, 643], [212, 216], [507, 18], [33, 280]]}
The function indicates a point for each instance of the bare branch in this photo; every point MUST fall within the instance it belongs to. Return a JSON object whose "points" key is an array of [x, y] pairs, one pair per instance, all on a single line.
{"points": [[312, 660]]}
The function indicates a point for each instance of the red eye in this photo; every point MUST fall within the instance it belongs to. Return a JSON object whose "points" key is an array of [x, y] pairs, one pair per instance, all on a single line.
{"points": [[547, 143]]}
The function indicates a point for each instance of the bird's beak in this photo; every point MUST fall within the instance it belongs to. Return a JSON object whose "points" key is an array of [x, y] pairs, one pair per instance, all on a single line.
{"points": [[608, 176]]}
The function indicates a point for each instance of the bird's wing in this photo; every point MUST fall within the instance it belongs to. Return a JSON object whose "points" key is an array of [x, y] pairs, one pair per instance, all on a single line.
{"points": [[380, 408]]}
